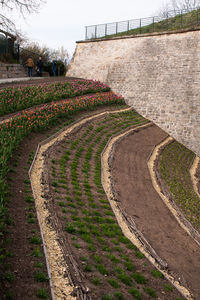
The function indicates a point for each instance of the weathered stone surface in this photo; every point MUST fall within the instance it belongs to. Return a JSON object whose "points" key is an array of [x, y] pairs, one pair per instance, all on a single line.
{"points": [[158, 75]]}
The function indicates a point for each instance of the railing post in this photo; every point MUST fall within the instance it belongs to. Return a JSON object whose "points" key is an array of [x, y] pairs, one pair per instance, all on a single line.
{"points": [[128, 26], [167, 21], [105, 29], [181, 19], [153, 24], [140, 26], [116, 27], [95, 32], [85, 32]]}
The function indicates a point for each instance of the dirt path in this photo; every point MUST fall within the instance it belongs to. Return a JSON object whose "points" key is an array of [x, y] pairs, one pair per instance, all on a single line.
{"points": [[133, 187]]}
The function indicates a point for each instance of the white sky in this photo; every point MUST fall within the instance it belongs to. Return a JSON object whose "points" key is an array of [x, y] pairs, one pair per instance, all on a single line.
{"points": [[62, 22]]}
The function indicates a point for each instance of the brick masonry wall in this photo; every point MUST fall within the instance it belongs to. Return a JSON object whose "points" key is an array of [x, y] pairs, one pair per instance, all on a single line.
{"points": [[157, 75]]}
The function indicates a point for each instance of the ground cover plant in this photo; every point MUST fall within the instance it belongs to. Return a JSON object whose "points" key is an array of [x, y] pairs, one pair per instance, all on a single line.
{"points": [[18, 98], [110, 265], [175, 163]]}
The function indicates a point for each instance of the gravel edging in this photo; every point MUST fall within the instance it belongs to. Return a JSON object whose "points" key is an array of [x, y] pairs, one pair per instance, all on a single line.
{"points": [[60, 284]]}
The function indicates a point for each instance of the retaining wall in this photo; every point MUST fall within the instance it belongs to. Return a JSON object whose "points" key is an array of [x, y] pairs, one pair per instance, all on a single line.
{"points": [[159, 75]]}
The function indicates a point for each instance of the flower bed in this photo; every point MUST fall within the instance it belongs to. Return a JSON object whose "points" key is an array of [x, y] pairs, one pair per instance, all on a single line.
{"points": [[13, 132], [15, 99]]}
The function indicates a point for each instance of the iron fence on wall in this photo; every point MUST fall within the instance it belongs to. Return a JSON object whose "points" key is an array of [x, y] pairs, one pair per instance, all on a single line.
{"points": [[9, 48], [172, 20]]}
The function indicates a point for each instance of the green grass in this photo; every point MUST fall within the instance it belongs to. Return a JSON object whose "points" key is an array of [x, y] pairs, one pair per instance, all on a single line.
{"points": [[174, 168], [185, 21]]}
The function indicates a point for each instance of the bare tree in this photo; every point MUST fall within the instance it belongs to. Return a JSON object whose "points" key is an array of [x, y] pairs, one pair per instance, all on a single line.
{"points": [[184, 4], [23, 6]]}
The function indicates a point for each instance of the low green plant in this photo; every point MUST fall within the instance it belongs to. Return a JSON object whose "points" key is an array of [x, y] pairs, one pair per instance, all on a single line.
{"points": [[168, 287], [42, 294], [139, 278], [96, 281], [157, 274], [135, 292], [34, 239], [101, 268], [150, 291], [113, 283], [41, 276]]}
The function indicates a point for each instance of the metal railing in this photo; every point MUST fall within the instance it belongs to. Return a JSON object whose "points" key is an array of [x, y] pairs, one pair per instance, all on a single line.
{"points": [[9, 49], [172, 20]]}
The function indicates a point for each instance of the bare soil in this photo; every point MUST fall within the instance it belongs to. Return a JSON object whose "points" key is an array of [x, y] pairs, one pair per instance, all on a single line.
{"points": [[133, 187]]}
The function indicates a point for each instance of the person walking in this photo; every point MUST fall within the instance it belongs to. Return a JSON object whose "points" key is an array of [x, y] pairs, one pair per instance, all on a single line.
{"points": [[54, 67], [40, 66], [30, 65]]}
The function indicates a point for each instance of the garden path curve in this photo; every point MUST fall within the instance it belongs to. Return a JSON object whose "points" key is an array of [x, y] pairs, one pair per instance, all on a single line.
{"points": [[133, 188]]}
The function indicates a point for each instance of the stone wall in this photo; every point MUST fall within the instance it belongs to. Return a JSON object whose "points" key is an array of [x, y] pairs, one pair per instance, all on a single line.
{"points": [[158, 75], [12, 71]]}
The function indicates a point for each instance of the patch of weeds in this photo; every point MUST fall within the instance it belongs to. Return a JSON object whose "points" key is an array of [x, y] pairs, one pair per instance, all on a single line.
{"points": [[113, 283], [39, 265], [70, 228], [34, 239], [9, 277], [27, 181], [77, 245], [150, 291], [97, 258], [102, 269], [139, 254], [61, 203], [129, 266], [96, 281], [9, 295], [29, 199], [83, 258], [135, 292], [157, 274], [37, 253], [88, 268], [41, 276], [91, 247], [124, 278], [168, 287], [113, 258], [139, 278], [42, 294], [119, 295]]}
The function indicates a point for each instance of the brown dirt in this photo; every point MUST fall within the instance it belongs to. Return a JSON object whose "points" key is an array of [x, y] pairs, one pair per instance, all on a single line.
{"points": [[134, 190]]}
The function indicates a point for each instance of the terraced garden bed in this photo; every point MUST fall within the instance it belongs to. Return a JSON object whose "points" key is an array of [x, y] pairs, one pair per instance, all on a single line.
{"points": [[109, 265], [104, 264], [175, 163]]}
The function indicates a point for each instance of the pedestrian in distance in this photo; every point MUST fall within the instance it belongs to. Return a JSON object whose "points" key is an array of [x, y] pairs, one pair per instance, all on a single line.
{"points": [[54, 67], [30, 65], [40, 66]]}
